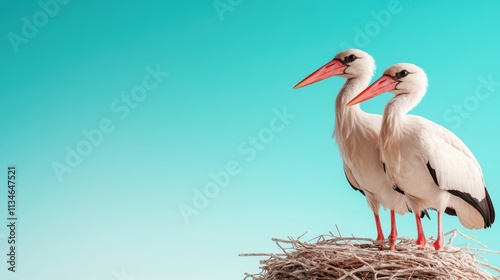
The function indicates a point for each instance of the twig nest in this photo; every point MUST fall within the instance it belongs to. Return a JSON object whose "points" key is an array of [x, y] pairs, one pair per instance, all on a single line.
{"points": [[333, 257]]}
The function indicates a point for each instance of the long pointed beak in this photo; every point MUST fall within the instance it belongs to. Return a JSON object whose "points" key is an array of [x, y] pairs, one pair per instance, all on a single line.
{"points": [[384, 84], [332, 68]]}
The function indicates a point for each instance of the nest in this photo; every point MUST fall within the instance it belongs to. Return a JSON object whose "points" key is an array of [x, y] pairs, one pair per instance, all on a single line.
{"points": [[337, 257]]}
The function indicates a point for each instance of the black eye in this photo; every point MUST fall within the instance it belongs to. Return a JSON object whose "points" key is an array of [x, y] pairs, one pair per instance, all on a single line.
{"points": [[402, 74], [350, 58]]}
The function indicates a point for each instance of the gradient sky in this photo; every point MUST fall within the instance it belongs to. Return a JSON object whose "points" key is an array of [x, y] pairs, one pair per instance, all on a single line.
{"points": [[116, 211]]}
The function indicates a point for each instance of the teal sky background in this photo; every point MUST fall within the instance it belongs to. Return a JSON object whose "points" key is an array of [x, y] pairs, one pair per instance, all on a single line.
{"points": [[117, 212]]}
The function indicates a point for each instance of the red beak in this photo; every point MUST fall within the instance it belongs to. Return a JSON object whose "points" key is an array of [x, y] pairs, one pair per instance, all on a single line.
{"points": [[384, 84], [332, 68]]}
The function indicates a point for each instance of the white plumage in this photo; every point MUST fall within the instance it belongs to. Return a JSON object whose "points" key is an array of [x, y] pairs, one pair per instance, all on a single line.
{"points": [[429, 163], [357, 136]]}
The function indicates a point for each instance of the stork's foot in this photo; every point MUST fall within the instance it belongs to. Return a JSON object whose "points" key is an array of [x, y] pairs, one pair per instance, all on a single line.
{"points": [[392, 242], [380, 237], [421, 242], [438, 244], [380, 242]]}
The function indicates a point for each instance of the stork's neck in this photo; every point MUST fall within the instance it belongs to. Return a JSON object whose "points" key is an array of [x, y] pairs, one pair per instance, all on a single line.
{"points": [[395, 114], [351, 88], [347, 119]]}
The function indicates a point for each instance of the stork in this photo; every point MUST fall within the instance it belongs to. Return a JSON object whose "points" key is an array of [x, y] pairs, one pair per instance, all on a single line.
{"points": [[429, 163], [357, 136]]}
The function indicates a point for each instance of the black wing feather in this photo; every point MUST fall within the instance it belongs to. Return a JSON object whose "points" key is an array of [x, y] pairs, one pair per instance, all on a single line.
{"points": [[484, 207], [352, 186], [432, 171]]}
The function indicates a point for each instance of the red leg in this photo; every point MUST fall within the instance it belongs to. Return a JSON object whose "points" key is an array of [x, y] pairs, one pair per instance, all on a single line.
{"points": [[380, 234], [421, 236], [440, 240], [394, 232]]}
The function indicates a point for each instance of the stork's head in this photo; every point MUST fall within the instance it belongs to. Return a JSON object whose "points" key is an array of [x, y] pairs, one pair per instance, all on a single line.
{"points": [[401, 78], [351, 63]]}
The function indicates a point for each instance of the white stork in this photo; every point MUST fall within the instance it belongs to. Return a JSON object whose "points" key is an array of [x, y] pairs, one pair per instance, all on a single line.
{"points": [[357, 136], [429, 163]]}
